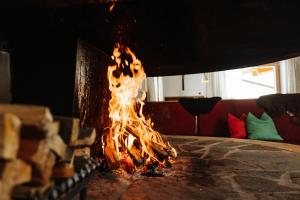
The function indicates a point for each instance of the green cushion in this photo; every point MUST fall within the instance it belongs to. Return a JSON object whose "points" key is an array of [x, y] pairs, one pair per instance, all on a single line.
{"points": [[262, 129]]}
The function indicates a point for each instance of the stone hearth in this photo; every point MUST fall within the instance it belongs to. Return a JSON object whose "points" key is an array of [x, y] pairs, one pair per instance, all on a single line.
{"points": [[212, 168]]}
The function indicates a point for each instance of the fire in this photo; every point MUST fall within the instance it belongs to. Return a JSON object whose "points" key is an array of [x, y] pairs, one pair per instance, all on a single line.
{"points": [[131, 138], [112, 5]]}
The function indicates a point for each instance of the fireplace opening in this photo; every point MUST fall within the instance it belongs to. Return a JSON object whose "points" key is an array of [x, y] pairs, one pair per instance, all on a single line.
{"points": [[75, 102]]}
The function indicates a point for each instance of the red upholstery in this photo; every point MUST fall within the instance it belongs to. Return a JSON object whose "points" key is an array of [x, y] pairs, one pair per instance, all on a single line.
{"points": [[287, 130], [214, 123], [171, 118]]}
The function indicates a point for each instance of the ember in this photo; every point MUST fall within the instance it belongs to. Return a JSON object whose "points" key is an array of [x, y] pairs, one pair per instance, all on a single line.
{"points": [[131, 142]]}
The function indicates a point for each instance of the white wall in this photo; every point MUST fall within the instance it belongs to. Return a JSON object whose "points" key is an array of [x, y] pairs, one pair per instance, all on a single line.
{"points": [[192, 85]]}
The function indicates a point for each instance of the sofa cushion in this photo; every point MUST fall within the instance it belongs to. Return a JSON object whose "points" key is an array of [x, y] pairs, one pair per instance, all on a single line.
{"points": [[262, 129], [237, 126]]}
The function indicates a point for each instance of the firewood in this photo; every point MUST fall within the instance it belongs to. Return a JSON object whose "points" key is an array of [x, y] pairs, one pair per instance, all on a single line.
{"points": [[83, 152], [41, 174], [69, 128], [69, 158], [36, 116], [28, 191], [159, 150], [57, 145], [13, 173], [37, 153], [86, 137], [9, 136], [109, 150], [35, 132], [63, 170]]}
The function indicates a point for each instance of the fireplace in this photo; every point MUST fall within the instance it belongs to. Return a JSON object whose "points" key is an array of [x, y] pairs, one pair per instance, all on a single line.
{"points": [[59, 54]]}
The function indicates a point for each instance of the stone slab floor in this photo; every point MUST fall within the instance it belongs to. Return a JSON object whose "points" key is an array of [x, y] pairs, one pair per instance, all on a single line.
{"points": [[212, 168]]}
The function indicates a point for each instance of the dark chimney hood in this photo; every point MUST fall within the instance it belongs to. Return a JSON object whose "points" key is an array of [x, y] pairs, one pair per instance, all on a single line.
{"points": [[172, 36]]}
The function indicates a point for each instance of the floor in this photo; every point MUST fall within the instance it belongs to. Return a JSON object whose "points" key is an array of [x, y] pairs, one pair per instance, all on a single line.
{"points": [[212, 168]]}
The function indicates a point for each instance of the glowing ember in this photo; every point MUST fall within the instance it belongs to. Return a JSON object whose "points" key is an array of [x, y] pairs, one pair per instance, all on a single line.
{"points": [[131, 141]]}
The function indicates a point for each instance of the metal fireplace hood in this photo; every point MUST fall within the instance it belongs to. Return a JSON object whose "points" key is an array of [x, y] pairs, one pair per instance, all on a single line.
{"points": [[182, 36]]}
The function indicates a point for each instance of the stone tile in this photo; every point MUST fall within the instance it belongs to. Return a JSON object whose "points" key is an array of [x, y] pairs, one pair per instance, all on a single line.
{"points": [[253, 169], [191, 147], [259, 184], [230, 144], [270, 160], [279, 196], [261, 173], [259, 147], [207, 142], [295, 177]]}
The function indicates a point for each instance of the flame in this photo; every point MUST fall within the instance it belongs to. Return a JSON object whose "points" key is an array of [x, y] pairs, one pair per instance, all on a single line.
{"points": [[112, 5], [130, 132]]}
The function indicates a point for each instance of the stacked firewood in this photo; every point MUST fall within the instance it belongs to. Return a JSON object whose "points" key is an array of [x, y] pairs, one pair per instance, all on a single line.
{"points": [[37, 148]]}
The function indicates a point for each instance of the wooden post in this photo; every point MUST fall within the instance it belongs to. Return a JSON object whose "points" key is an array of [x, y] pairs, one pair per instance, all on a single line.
{"points": [[5, 95]]}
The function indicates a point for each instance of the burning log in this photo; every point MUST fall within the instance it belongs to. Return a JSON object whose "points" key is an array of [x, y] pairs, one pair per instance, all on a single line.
{"points": [[131, 138], [69, 128], [109, 150], [9, 136], [12, 173]]}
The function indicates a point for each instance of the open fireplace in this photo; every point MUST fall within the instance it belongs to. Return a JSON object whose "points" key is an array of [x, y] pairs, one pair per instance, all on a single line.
{"points": [[75, 116]]}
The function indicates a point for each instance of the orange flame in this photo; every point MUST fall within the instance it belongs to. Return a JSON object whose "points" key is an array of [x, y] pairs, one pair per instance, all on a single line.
{"points": [[129, 126], [112, 5]]}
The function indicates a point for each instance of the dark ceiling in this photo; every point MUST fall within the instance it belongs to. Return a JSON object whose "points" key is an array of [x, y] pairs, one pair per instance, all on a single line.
{"points": [[169, 36]]}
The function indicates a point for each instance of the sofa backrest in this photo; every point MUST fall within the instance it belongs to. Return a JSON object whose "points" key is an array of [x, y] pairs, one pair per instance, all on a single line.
{"points": [[214, 123], [172, 118]]}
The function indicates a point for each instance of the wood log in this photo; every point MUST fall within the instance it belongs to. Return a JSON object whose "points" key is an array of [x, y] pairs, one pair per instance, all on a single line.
{"points": [[13, 173], [37, 153], [109, 150], [159, 150], [41, 174], [87, 137], [9, 136], [58, 146], [83, 152], [69, 128], [30, 192], [37, 116], [36, 120], [69, 158], [63, 170]]}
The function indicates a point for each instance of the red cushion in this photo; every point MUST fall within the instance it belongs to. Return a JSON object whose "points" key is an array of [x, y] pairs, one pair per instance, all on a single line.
{"points": [[237, 127]]}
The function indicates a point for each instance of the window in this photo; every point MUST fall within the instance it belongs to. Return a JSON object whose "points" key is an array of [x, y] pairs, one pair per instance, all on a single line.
{"points": [[243, 83], [251, 82]]}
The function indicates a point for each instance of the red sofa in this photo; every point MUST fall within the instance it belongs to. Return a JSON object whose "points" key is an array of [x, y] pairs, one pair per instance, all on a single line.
{"points": [[172, 118]]}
